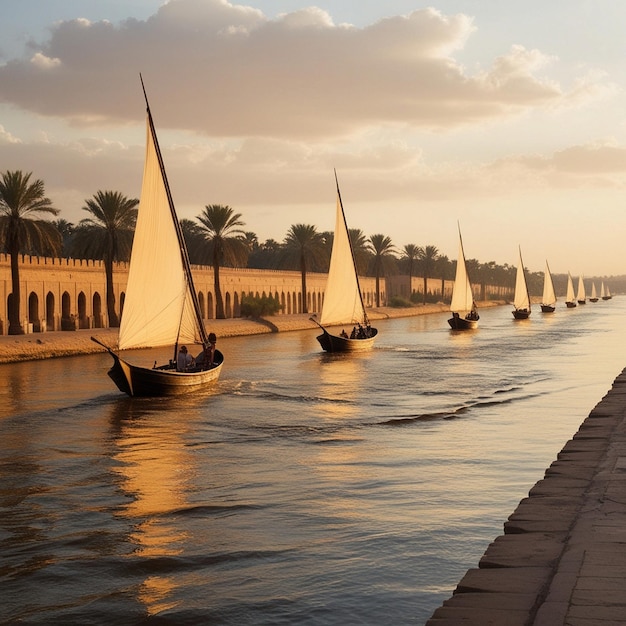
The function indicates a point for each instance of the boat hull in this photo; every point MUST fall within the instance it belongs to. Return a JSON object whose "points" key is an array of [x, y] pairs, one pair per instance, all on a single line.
{"points": [[521, 314], [461, 323], [547, 308], [135, 380], [593, 299], [337, 343], [570, 305], [582, 302]]}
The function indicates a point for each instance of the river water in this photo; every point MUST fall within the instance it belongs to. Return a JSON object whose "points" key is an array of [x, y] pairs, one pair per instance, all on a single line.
{"points": [[304, 488]]}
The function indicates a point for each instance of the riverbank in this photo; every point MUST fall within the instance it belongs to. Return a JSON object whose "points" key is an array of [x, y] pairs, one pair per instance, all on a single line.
{"points": [[562, 557], [70, 343]]}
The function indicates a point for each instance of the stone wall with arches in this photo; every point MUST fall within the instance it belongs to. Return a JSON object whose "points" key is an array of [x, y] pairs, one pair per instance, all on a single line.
{"points": [[70, 294]]}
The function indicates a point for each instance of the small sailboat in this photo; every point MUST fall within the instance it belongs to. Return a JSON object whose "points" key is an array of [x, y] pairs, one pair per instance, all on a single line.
{"points": [[570, 297], [548, 300], [581, 296], [161, 306], [521, 300], [463, 308], [605, 293], [594, 293], [343, 301]]}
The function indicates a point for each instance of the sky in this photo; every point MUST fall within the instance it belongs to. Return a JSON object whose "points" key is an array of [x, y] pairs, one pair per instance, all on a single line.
{"points": [[504, 118]]}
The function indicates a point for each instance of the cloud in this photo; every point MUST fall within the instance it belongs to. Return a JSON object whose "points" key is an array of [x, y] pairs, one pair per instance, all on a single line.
{"points": [[226, 70]]}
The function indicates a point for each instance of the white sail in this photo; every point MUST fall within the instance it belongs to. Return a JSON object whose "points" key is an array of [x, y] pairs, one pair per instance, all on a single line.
{"points": [[462, 296], [549, 297], [342, 298], [570, 296], [580, 294], [602, 290], [608, 292], [594, 293], [158, 306], [521, 299]]}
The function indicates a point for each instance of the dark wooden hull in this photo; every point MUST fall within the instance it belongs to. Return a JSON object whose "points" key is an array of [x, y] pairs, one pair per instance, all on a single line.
{"points": [[593, 299], [582, 301], [547, 308], [337, 343], [462, 323], [570, 305], [161, 381], [521, 314], [606, 297]]}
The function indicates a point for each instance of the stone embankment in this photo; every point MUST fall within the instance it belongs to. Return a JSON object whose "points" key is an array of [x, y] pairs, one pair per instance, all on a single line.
{"points": [[562, 557], [69, 343]]}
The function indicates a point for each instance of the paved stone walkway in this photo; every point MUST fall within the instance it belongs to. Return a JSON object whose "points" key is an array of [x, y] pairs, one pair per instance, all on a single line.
{"points": [[562, 558]]}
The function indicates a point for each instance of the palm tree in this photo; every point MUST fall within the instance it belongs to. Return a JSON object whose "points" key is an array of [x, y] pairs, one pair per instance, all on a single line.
{"points": [[382, 248], [19, 199], [410, 254], [360, 249], [428, 256], [226, 244], [107, 235], [66, 230], [305, 246], [194, 240]]}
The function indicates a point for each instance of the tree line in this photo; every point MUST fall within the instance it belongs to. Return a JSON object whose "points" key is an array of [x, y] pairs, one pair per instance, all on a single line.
{"points": [[216, 237]]}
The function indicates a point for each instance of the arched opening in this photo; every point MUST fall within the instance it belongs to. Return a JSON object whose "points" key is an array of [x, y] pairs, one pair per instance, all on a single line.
{"points": [[236, 305], [201, 304], [67, 319], [83, 320], [210, 307], [50, 316], [228, 310], [97, 310], [33, 313]]}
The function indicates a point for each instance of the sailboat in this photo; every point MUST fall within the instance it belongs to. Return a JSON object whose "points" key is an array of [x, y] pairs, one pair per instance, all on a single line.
{"points": [[570, 297], [580, 293], [161, 306], [605, 293], [521, 300], [594, 293], [343, 301], [548, 300], [463, 308]]}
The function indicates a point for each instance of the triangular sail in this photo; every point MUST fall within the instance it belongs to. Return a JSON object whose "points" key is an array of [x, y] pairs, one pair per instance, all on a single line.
{"points": [[549, 296], [570, 296], [342, 299], [602, 290], [158, 306], [522, 299], [462, 296], [580, 294], [594, 293]]}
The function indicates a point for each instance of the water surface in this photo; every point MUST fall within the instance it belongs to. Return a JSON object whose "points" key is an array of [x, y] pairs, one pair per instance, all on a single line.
{"points": [[304, 488]]}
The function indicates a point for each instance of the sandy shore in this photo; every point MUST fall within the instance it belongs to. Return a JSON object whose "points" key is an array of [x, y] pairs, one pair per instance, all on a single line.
{"points": [[68, 343]]}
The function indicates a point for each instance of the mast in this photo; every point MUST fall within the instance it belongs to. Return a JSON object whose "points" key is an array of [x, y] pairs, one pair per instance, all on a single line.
{"points": [[179, 233], [345, 223]]}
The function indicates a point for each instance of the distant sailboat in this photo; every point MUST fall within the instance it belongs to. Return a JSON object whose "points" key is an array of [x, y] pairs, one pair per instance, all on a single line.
{"points": [[521, 301], [570, 297], [594, 294], [605, 294], [463, 308], [548, 300], [343, 302], [581, 296]]}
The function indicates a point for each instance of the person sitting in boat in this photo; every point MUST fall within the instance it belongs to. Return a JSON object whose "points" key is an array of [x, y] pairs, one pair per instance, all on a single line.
{"points": [[184, 361], [344, 334], [353, 333], [472, 315]]}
